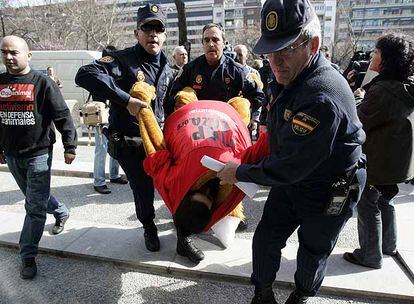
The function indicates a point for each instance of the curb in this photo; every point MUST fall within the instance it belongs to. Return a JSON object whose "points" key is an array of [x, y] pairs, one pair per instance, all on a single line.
{"points": [[66, 173], [178, 272]]}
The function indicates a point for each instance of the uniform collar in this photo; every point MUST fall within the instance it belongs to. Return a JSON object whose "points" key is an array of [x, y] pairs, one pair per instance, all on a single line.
{"points": [[146, 57], [220, 62]]}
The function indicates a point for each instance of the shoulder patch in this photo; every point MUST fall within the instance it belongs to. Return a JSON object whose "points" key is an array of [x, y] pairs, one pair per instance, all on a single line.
{"points": [[107, 59], [199, 79], [303, 124]]}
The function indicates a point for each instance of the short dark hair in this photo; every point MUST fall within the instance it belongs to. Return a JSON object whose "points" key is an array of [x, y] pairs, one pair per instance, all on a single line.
{"points": [[110, 47], [397, 54], [191, 215], [211, 25]]}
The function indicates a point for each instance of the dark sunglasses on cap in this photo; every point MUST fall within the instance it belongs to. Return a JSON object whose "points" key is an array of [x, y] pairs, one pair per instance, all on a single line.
{"points": [[149, 27]]}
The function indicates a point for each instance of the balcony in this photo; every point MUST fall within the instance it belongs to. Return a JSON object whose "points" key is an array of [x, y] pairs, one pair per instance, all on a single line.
{"points": [[382, 16], [381, 5]]}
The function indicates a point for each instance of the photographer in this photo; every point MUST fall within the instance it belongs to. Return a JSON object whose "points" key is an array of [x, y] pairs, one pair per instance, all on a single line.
{"points": [[357, 68], [387, 115]]}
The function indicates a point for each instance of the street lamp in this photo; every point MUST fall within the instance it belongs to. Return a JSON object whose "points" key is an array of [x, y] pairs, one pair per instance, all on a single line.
{"points": [[2, 16], [2, 25]]}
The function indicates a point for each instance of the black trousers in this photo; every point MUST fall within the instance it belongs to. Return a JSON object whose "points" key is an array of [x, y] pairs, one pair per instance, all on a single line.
{"points": [[131, 160], [287, 208]]}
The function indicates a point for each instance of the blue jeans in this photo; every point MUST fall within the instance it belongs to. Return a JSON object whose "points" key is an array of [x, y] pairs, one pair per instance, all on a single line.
{"points": [[377, 224], [101, 146], [32, 175]]}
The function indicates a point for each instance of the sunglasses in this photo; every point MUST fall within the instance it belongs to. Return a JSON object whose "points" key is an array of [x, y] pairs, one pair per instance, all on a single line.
{"points": [[149, 27]]}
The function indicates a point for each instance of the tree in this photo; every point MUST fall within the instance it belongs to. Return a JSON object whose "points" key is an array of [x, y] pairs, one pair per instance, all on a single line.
{"points": [[55, 25], [343, 49]]}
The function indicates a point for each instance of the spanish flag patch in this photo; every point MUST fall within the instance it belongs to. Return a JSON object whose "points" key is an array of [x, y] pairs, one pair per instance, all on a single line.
{"points": [[106, 59], [303, 124]]}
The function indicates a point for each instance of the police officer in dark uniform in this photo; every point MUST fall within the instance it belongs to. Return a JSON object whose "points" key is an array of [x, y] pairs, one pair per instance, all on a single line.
{"points": [[112, 77], [315, 167], [214, 76]]}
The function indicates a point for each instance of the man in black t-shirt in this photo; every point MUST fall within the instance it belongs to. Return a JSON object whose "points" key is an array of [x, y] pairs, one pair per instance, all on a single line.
{"points": [[29, 103]]}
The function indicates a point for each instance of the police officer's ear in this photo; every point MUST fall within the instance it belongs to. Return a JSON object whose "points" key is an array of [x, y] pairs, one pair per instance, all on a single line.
{"points": [[136, 33], [314, 45]]}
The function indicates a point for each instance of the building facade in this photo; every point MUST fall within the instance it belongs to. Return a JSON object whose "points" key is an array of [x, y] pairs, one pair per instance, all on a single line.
{"points": [[235, 16], [326, 11], [371, 18], [361, 22]]}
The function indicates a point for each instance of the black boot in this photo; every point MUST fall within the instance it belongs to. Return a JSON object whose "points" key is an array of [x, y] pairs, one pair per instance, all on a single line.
{"points": [[29, 269], [186, 247], [296, 297], [264, 296], [152, 242]]}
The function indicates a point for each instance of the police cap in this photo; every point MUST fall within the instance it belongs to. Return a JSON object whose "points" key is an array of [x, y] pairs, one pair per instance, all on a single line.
{"points": [[281, 24], [149, 13]]}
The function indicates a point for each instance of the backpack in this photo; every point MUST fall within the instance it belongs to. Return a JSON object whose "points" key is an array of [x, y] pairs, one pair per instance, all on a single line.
{"points": [[94, 114]]}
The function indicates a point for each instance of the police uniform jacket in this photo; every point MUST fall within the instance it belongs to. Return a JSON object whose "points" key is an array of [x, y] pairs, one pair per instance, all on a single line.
{"points": [[112, 76], [314, 131], [226, 80], [387, 115]]}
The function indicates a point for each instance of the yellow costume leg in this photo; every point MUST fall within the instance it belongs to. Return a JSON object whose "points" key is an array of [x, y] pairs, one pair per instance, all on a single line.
{"points": [[238, 212], [242, 106], [151, 132], [184, 97]]}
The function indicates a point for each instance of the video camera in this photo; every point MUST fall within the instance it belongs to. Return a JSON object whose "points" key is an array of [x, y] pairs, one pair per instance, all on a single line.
{"points": [[359, 63]]}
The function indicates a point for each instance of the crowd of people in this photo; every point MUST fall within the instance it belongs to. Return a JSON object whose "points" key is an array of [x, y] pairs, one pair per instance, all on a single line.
{"points": [[324, 150]]}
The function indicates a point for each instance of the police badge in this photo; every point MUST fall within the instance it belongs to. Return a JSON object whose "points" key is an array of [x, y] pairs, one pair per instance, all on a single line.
{"points": [[140, 76]]}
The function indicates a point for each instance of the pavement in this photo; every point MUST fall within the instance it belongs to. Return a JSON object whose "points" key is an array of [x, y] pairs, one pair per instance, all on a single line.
{"points": [[104, 228]]}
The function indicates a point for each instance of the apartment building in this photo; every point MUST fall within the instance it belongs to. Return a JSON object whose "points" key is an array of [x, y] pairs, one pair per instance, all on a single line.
{"points": [[360, 23], [326, 11], [370, 18]]}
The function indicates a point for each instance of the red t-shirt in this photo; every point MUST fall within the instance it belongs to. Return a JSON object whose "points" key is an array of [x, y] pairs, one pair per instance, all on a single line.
{"points": [[211, 128]]}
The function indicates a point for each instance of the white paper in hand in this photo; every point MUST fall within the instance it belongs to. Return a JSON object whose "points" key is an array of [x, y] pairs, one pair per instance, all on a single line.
{"points": [[225, 229], [249, 188]]}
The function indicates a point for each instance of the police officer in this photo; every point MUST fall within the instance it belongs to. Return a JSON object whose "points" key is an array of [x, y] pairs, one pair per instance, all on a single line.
{"points": [[214, 76], [314, 167], [112, 77]]}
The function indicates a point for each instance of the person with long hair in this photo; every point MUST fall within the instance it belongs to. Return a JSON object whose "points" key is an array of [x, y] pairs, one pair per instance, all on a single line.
{"points": [[387, 115]]}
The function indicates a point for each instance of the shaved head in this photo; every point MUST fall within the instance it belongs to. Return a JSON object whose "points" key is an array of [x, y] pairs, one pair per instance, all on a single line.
{"points": [[15, 55], [20, 43]]}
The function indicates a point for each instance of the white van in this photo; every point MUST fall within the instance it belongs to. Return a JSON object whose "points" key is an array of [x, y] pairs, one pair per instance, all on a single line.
{"points": [[66, 64]]}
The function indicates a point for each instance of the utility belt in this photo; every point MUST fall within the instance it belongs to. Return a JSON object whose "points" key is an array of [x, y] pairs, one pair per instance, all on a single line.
{"points": [[120, 145], [343, 187]]}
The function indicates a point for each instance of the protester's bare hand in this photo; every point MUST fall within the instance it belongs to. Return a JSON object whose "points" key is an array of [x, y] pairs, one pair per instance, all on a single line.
{"points": [[134, 105], [228, 174], [360, 92], [69, 157], [2, 158]]}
